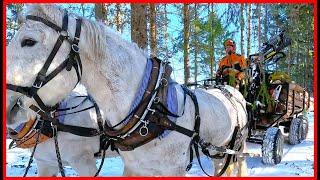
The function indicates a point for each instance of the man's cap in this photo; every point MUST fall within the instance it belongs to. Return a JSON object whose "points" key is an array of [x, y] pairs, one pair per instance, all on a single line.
{"points": [[228, 42]]}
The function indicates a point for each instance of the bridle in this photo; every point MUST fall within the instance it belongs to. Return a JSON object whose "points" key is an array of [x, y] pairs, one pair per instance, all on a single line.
{"points": [[73, 60]]}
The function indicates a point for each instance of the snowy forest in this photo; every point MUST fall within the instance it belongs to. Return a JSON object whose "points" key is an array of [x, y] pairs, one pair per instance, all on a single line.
{"points": [[191, 36]]}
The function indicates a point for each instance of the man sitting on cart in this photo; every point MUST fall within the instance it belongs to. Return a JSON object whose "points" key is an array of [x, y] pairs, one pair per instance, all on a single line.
{"points": [[232, 67]]}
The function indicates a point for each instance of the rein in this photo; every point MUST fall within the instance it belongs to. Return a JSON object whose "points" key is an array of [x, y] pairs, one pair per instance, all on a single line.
{"points": [[47, 127]]}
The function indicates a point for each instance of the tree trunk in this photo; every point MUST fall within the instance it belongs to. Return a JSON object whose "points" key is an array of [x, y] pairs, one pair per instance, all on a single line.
{"points": [[139, 25], [186, 34], [211, 54], [249, 30], [195, 45], [100, 12], [153, 30], [266, 29], [166, 35], [308, 75], [118, 18], [259, 25], [289, 60], [242, 28]]}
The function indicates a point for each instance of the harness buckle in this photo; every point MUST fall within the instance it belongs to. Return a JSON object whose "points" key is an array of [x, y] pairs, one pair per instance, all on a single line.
{"points": [[65, 34], [38, 86], [52, 114]]}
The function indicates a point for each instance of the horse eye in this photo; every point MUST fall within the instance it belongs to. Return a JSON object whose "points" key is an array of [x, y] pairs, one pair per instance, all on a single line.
{"points": [[28, 42]]}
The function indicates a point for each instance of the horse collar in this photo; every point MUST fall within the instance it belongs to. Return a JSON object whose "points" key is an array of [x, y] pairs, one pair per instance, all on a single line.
{"points": [[141, 128], [73, 60]]}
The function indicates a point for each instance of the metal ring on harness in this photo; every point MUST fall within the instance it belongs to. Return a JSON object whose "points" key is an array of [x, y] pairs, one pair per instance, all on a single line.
{"points": [[144, 130], [164, 81], [75, 48], [156, 100]]}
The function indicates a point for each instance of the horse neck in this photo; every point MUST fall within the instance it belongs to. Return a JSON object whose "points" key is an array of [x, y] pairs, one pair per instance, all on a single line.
{"points": [[112, 77]]}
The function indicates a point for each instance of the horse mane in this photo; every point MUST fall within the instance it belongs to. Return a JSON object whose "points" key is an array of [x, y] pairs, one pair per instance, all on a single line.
{"points": [[115, 59], [97, 34], [110, 43]]}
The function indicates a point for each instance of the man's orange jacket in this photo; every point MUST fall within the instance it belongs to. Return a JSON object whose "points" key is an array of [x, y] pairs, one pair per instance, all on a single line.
{"points": [[234, 63]]}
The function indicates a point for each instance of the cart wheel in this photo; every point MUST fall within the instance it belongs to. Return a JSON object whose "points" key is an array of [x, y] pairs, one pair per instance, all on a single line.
{"points": [[296, 130], [305, 126], [272, 146]]}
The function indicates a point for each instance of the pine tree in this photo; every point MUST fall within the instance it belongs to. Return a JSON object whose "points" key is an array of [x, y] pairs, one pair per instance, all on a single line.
{"points": [[100, 12], [186, 35], [139, 25], [153, 30]]}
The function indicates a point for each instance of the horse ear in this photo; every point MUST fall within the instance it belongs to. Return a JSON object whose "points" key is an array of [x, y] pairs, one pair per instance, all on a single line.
{"points": [[50, 12], [33, 9], [21, 18]]}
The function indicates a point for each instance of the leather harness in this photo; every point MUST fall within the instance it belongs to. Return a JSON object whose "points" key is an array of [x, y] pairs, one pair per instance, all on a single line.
{"points": [[148, 120], [26, 137]]}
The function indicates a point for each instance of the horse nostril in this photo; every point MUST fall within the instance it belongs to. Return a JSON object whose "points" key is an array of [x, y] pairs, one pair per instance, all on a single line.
{"points": [[11, 132]]}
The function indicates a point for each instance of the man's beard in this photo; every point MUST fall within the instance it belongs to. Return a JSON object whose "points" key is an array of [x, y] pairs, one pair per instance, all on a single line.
{"points": [[229, 52]]}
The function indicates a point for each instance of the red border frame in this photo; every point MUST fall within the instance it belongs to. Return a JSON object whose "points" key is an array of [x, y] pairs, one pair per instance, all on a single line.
{"points": [[314, 2]]}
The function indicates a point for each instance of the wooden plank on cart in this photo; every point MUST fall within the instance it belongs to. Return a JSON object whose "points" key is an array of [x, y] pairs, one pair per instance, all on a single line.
{"points": [[298, 99]]}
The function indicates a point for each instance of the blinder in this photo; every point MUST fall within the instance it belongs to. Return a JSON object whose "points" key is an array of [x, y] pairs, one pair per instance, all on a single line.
{"points": [[73, 60]]}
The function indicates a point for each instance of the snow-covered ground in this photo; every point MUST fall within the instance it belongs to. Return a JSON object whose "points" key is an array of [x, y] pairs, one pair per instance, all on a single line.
{"points": [[298, 160]]}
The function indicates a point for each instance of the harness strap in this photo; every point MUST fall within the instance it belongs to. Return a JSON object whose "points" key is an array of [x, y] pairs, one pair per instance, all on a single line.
{"points": [[32, 154], [74, 54], [76, 130], [55, 137], [63, 36], [229, 156], [46, 22], [161, 108], [74, 107], [195, 138], [167, 124]]}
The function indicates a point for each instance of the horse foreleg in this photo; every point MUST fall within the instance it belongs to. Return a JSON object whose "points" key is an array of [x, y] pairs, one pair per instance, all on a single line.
{"points": [[128, 172], [219, 165], [46, 169], [230, 169], [243, 169]]}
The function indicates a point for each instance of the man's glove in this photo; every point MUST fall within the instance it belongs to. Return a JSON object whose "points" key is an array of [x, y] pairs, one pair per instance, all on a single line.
{"points": [[241, 75]]}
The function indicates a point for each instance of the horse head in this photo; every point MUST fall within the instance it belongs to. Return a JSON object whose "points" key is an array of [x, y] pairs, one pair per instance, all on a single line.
{"points": [[37, 63]]}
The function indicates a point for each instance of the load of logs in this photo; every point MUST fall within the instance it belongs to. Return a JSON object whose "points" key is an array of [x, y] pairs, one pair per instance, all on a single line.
{"points": [[298, 100]]}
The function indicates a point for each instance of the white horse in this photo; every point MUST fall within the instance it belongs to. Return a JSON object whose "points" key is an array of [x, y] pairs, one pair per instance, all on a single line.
{"points": [[112, 73], [82, 159]]}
